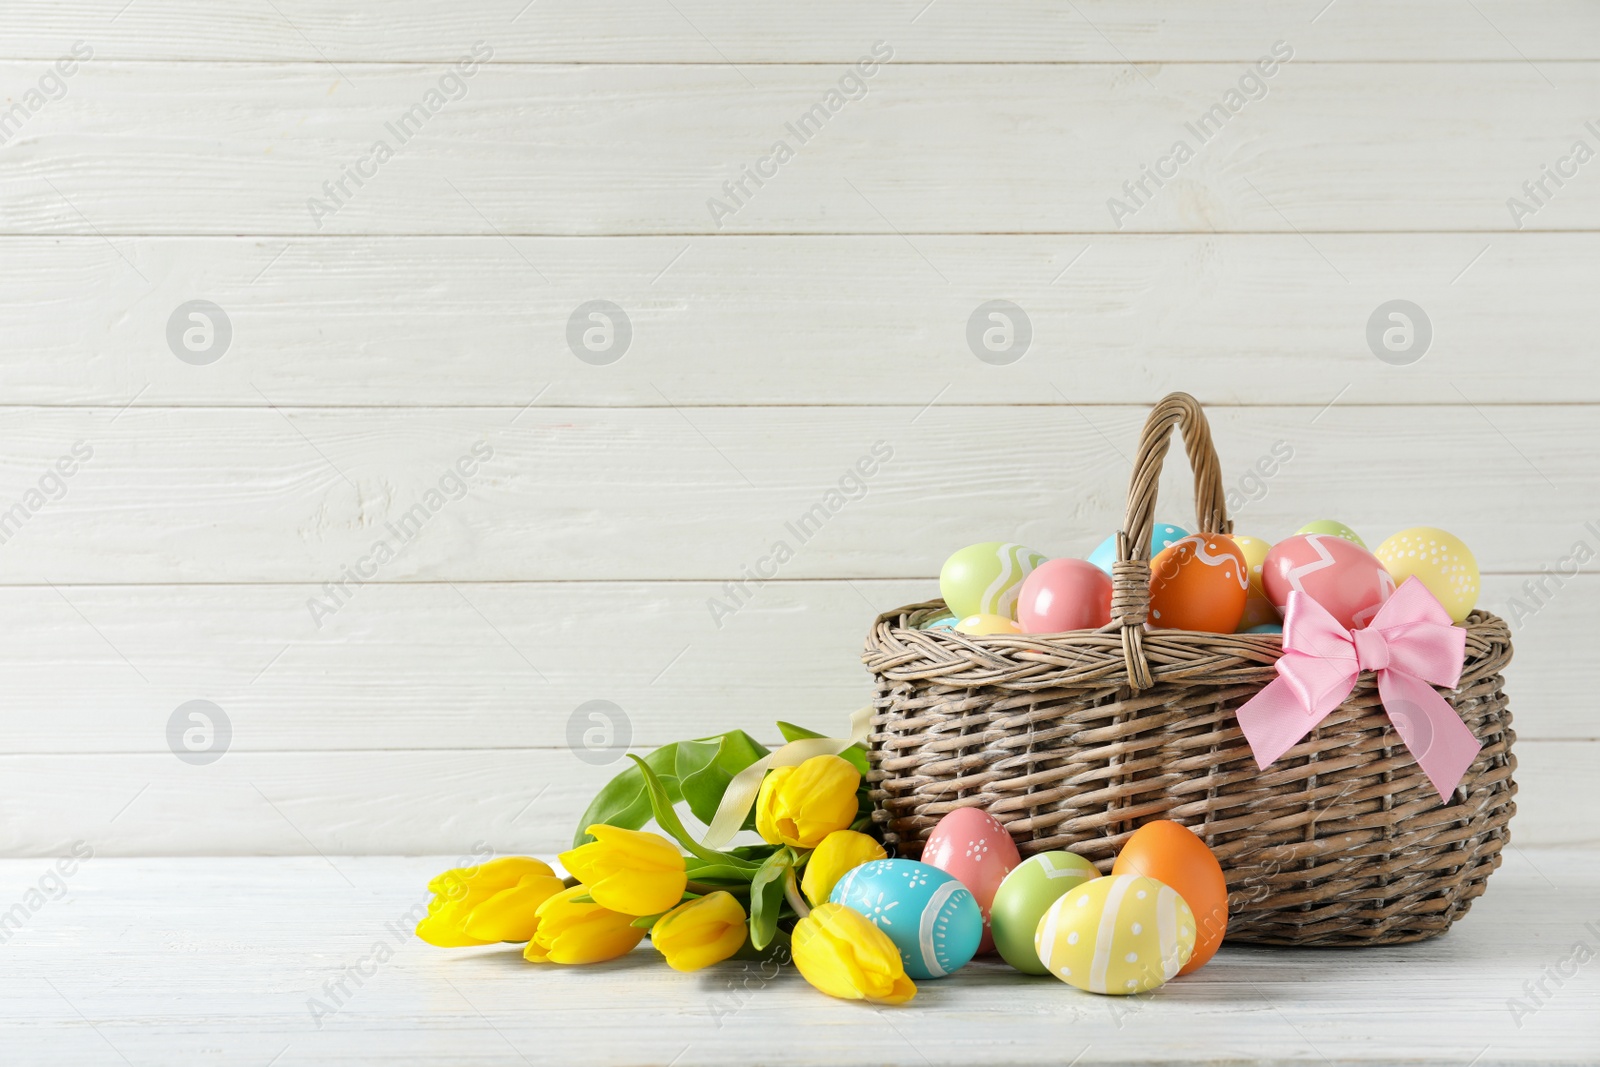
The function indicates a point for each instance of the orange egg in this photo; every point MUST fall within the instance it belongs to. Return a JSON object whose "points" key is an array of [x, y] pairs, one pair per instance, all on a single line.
{"points": [[1172, 854], [1199, 583]]}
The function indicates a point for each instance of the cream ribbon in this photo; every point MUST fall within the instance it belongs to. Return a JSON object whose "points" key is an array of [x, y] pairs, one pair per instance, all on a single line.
{"points": [[742, 790]]}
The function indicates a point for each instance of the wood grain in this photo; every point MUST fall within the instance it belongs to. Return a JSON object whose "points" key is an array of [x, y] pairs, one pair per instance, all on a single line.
{"points": [[706, 31], [244, 149], [799, 320], [234, 973], [428, 666]]}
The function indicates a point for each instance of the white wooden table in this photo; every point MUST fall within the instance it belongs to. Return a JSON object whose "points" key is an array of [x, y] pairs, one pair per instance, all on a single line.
{"points": [[219, 961]]}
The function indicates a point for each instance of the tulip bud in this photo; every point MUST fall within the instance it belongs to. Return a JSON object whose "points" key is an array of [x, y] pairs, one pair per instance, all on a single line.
{"points": [[799, 806], [845, 956], [572, 932], [700, 932], [630, 871], [840, 852], [495, 901]]}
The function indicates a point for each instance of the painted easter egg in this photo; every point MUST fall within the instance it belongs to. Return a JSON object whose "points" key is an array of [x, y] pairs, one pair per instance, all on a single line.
{"points": [[943, 622], [1334, 528], [1120, 934], [929, 915], [1199, 583], [1023, 898], [984, 579], [979, 625], [1265, 628], [1340, 575], [1064, 594], [1439, 560], [1162, 535], [1173, 855], [975, 847], [1258, 609]]}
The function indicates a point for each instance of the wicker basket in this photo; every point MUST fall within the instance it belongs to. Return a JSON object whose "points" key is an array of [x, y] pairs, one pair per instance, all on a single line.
{"points": [[1073, 740]]}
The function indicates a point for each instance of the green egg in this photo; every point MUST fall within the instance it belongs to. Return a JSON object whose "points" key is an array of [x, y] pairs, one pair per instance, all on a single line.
{"points": [[1333, 528], [1023, 898], [984, 579]]}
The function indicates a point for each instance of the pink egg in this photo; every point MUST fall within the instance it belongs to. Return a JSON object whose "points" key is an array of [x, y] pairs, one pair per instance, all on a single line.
{"points": [[1064, 594], [973, 846], [1338, 574]]}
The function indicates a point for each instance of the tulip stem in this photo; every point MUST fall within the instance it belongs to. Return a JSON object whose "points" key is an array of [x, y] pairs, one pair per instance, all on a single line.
{"points": [[704, 889], [792, 892]]}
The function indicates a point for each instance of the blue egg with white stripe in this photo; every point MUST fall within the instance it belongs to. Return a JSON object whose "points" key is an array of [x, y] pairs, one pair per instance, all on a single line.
{"points": [[929, 915], [1162, 535]]}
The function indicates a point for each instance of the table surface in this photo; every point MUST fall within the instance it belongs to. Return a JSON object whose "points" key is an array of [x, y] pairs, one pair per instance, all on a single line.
{"points": [[236, 960]]}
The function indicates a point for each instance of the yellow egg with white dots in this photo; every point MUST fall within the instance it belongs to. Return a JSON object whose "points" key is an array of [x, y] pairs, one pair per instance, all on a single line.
{"points": [[1120, 934], [1439, 560]]}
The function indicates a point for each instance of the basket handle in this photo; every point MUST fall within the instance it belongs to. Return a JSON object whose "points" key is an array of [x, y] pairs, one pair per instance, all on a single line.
{"points": [[1130, 574]]}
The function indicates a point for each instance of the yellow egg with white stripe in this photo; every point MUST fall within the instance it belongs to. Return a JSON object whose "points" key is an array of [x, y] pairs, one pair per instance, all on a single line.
{"points": [[1120, 934]]}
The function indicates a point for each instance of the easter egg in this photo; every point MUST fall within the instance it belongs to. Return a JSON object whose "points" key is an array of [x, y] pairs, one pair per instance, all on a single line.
{"points": [[1162, 534], [978, 625], [1120, 934], [975, 847], [1064, 594], [1334, 528], [1258, 609], [984, 579], [1265, 628], [1340, 575], [1023, 898], [1199, 583], [943, 622], [1171, 854], [1439, 560], [929, 915]]}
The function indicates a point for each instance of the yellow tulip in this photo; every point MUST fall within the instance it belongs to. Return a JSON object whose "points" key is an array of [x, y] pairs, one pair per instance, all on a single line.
{"points": [[700, 932], [799, 806], [631, 871], [572, 932], [844, 955], [840, 852], [495, 901]]}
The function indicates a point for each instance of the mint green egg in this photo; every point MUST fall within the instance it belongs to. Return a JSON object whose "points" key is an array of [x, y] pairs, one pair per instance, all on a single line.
{"points": [[984, 579], [1023, 898], [1332, 528]]}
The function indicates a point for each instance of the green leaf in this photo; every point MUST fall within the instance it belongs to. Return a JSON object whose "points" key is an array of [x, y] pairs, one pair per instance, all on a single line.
{"points": [[753, 852], [700, 870], [705, 768], [766, 898], [667, 818], [698, 778], [625, 801], [856, 754]]}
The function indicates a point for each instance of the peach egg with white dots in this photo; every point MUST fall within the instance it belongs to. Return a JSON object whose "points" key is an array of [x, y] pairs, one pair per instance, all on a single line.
{"points": [[1120, 934], [1439, 560]]}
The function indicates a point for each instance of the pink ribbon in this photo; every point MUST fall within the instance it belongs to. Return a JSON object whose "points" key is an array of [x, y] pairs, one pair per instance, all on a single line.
{"points": [[1410, 646]]}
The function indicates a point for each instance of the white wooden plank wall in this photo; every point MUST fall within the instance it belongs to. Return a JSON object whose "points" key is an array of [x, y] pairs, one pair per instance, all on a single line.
{"points": [[372, 347]]}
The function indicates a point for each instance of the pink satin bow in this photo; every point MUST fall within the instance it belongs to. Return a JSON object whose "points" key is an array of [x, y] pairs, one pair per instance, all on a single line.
{"points": [[1410, 646]]}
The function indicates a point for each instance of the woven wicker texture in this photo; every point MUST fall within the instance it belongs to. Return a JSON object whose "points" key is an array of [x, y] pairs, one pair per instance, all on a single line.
{"points": [[1074, 740]]}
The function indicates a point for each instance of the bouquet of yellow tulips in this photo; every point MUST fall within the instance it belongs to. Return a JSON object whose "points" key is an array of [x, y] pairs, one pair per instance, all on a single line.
{"points": [[766, 901]]}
